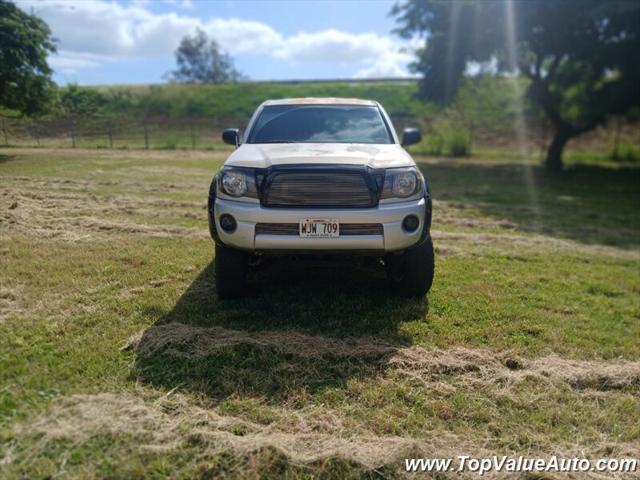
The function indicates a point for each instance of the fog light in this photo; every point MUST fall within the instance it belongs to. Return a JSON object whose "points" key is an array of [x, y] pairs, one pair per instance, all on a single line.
{"points": [[228, 223], [410, 223]]}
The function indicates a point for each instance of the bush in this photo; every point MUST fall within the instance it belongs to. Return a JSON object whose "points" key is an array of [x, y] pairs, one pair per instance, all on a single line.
{"points": [[625, 152], [168, 146], [448, 138], [457, 142], [77, 100], [434, 143]]}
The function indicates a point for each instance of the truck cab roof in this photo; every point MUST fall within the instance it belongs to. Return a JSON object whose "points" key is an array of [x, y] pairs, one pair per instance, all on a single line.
{"points": [[320, 101]]}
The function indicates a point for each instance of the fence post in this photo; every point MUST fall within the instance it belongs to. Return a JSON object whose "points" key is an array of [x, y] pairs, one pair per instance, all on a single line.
{"points": [[110, 133], [193, 138], [73, 134], [146, 135], [4, 131]]}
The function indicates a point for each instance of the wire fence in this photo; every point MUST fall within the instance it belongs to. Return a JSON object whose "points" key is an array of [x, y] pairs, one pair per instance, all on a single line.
{"points": [[197, 133], [114, 132], [131, 132]]}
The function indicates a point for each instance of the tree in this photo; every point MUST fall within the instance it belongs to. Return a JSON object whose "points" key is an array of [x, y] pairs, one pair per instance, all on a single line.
{"points": [[25, 76], [76, 100], [201, 61], [580, 56]]}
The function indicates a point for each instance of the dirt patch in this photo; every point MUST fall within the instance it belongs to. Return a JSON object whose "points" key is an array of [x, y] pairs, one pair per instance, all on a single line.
{"points": [[69, 209], [509, 242], [470, 222], [453, 214], [123, 182], [98, 225], [9, 301], [196, 174], [488, 368], [75, 216], [427, 365]]}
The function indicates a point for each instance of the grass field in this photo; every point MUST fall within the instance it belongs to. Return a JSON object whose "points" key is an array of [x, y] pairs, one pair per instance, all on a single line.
{"points": [[481, 119], [118, 361]]}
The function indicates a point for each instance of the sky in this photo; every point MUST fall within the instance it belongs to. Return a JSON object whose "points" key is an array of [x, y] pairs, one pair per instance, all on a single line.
{"points": [[133, 41]]}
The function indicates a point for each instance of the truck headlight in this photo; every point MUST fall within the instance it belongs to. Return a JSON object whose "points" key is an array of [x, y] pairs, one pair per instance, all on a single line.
{"points": [[234, 183], [402, 183], [238, 182]]}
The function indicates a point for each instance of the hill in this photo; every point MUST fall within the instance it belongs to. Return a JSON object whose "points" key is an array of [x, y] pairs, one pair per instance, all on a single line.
{"points": [[241, 99], [174, 116]]}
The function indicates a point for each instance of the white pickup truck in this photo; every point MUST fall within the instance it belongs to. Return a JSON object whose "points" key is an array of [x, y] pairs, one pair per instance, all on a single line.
{"points": [[321, 175]]}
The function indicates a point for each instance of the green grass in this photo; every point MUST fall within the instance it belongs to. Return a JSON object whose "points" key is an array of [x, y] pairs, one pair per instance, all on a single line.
{"points": [[176, 117], [97, 246], [241, 99]]}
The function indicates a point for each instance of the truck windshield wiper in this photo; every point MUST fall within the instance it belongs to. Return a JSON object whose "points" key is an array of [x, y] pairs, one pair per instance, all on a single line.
{"points": [[276, 141]]}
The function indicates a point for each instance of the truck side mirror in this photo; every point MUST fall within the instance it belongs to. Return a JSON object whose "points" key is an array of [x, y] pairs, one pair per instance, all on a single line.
{"points": [[231, 136], [411, 136]]}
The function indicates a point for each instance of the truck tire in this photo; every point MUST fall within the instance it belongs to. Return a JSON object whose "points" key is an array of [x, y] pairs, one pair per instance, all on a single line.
{"points": [[231, 272], [411, 273]]}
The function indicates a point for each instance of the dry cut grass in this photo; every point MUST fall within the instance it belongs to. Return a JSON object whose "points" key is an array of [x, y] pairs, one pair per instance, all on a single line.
{"points": [[118, 361]]}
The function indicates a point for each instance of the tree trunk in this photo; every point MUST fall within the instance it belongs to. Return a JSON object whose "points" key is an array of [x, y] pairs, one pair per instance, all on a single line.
{"points": [[553, 162]]}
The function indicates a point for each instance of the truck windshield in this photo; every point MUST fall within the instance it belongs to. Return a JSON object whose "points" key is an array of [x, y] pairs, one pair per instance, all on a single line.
{"points": [[320, 124]]}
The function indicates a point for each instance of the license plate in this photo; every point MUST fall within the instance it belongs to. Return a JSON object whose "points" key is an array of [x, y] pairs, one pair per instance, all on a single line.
{"points": [[319, 228]]}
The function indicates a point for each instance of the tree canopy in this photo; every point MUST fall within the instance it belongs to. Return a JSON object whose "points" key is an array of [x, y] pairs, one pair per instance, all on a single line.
{"points": [[580, 56], [201, 61], [25, 76], [76, 100]]}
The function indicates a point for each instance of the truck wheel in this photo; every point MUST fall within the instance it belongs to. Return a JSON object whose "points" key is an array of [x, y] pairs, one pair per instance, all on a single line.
{"points": [[231, 272], [411, 274]]}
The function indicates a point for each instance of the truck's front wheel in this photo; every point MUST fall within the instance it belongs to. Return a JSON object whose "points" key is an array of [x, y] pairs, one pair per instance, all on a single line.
{"points": [[412, 272], [231, 271]]}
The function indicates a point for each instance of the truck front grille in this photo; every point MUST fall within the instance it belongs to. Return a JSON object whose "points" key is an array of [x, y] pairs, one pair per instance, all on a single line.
{"points": [[345, 229], [319, 189]]}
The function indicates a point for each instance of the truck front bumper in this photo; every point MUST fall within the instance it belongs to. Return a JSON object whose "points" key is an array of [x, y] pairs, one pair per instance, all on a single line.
{"points": [[247, 215]]}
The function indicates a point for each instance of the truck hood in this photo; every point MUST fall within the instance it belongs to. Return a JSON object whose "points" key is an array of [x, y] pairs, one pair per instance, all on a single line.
{"points": [[265, 155]]}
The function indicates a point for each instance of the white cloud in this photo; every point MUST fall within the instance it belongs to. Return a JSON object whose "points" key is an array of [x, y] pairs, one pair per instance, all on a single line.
{"points": [[333, 46], [90, 32], [243, 36], [384, 68], [70, 62], [111, 29], [114, 30], [392, 62]]}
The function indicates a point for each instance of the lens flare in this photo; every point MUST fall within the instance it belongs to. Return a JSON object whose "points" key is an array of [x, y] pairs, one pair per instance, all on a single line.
{"points": [[521, 130]]}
